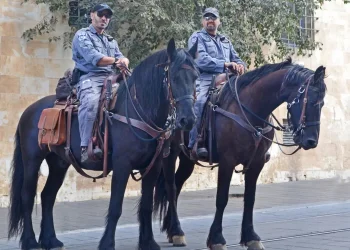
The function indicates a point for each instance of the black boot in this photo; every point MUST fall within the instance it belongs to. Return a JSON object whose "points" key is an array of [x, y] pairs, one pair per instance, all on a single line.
{"points": [[202, 152], [98, 153], [84, 155]]}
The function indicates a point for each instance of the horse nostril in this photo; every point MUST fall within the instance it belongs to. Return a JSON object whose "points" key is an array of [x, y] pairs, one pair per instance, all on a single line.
{"points": [[183, 122], [312, 143]]}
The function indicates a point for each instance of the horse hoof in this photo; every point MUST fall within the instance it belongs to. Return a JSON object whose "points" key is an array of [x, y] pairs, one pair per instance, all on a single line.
{"points": [[218, 247], [170, 239], [255, 245], [178, 241]]}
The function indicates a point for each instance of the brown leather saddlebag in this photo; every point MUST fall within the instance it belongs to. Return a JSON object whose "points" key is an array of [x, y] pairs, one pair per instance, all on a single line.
{"points": [[52, 127]]}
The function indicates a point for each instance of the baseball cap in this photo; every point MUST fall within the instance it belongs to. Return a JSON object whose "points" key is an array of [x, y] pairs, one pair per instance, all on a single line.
{"points": [[102, 7], [211, 10]]}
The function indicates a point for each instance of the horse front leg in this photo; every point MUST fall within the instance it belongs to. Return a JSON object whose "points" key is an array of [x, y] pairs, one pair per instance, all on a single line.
{"points": [[121, 172], [146, 238], [216, 240], [248, 236]]}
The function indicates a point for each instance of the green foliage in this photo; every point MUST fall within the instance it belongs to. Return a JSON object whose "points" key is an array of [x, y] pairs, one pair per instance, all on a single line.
{"points": [[142, 26]]}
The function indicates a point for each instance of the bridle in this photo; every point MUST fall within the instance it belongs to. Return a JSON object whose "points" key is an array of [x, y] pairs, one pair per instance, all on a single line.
{"points": [[304, 88], [174, 101]]}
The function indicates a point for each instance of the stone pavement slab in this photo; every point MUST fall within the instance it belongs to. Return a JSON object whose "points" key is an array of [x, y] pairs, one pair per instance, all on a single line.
{"points": [[322, 226]]}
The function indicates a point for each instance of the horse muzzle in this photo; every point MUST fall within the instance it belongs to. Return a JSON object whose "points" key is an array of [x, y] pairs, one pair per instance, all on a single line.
{"points": [[309, 144], [305, 142], [185, 123]]}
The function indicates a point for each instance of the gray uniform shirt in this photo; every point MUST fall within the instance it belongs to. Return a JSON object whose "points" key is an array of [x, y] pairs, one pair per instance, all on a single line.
{"points": [[89, 47], [213, 52]]}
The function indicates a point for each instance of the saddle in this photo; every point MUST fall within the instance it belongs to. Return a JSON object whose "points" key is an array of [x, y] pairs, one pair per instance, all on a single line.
{"points": [[55, 123]]}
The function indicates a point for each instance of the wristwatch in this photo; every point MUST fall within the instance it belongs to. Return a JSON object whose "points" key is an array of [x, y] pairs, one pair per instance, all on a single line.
{"points": [[115, 62]]}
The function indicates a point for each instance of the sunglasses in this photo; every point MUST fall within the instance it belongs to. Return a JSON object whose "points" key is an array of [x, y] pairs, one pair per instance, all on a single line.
{"points": [[101, 14], [207, 18]]}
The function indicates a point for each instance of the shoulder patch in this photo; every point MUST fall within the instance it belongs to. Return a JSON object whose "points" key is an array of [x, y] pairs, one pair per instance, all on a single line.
{"points": [[82, 36], [194, 38]]}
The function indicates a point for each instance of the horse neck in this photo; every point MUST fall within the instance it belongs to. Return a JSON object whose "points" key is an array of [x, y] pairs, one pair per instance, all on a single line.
{"points": [[263, 97]]}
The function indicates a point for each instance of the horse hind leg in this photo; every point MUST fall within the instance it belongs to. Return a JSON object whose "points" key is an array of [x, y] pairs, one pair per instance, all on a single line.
{"points": [[58, 169], [28, 240], [171, 221], [25, 167]]}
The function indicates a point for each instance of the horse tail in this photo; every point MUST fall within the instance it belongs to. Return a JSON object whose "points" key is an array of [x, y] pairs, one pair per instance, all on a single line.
{"points": [[160, 198], [17, 169]]}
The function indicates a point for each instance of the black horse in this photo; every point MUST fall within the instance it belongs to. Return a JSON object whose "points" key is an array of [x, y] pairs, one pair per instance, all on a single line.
{"points": [[260, 91], [164, 76]]}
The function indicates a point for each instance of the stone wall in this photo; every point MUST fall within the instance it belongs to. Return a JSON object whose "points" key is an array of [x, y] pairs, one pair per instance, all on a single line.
{"points": [[29, 71]]}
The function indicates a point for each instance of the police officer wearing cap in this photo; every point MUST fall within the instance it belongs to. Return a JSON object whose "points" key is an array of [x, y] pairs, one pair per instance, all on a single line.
{"points": [[215, 54], [94, 54]]}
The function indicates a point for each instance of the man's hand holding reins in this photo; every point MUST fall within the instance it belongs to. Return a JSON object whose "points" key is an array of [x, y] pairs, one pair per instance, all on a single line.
{"points": [[123, 64], [235, 67]]}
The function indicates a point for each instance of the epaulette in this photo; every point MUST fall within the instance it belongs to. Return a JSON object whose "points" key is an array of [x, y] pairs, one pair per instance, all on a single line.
{"points": [[224, 39], [85, 29]]}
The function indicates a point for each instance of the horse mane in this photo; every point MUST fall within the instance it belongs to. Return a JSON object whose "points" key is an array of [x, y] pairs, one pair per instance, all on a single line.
{"points": [[148, 79], [298, 73], [252, 77]]}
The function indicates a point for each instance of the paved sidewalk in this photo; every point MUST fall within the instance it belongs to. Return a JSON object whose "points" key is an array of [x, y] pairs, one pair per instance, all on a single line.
{"points": [[76, 217]]}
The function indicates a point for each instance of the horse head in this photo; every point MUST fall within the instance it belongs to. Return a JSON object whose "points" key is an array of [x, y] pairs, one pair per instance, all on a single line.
{"points": [[182, 74], [305, 102]]}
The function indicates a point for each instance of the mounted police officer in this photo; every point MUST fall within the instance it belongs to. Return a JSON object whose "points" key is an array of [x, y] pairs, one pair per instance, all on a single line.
{"points": [[94, 53], [215, 54]]}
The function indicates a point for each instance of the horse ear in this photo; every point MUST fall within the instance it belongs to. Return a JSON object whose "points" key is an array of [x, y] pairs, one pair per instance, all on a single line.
{"points": [[319, 74], [171, 50], [193, 49]]}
